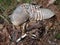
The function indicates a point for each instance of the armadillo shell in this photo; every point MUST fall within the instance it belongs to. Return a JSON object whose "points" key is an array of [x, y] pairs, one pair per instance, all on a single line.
{"points": [[19, 16], [46, 13]]}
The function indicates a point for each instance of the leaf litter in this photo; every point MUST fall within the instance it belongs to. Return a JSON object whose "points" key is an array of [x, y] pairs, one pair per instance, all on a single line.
{"points": [[38, 33]]}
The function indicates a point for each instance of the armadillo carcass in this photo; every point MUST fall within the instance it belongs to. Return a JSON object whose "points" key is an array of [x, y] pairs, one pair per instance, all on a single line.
{"points": [[25, 11]]}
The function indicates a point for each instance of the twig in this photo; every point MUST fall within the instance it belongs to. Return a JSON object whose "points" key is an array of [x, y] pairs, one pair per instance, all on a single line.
{"points": [[4, 19]]}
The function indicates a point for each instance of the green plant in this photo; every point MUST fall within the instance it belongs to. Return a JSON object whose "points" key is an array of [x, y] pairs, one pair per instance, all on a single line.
{"points": [[1, 1], [27, 1], [57, 36]]}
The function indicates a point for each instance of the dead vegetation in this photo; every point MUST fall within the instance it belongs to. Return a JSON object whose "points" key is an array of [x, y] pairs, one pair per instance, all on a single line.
{"points": [[47, 32]]}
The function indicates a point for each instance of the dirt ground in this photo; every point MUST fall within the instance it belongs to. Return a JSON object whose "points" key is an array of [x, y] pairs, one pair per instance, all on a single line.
{"points": [[47, 32]]}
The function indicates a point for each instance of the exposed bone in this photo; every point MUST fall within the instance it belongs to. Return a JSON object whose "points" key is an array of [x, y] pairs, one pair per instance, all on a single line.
{"points": [[23, 36]]}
